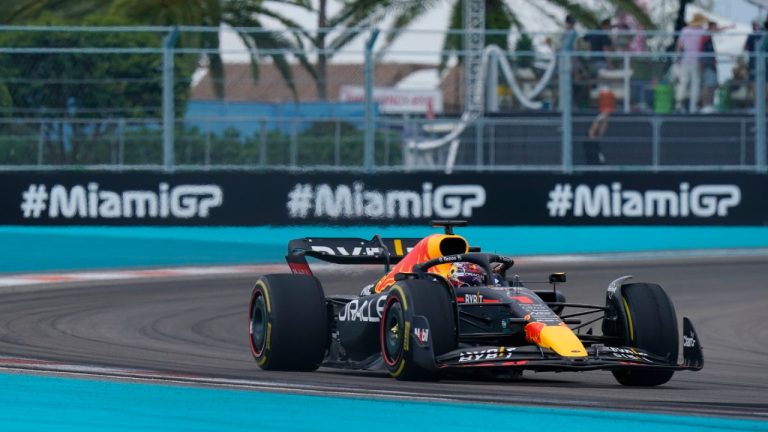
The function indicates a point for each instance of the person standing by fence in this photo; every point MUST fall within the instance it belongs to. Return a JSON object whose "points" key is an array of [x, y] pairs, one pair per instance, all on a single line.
{"points": [[601, 46], [710, 81], [593, 151], [690, 44], [749, 47]]}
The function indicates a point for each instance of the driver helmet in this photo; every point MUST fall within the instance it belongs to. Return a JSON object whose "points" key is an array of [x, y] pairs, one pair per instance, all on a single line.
{"points": [[463, 274]]}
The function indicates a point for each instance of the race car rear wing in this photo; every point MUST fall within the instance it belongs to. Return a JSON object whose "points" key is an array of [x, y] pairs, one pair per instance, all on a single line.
{"points": [[347, 250]]}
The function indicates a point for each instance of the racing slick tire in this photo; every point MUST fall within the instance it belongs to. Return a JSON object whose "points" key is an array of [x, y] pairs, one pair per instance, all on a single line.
{"points": [[408, 352], [288, 322], [651, 325]]}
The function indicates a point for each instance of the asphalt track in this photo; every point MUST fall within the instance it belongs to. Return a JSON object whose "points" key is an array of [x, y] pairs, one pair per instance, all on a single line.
{"points": [[196, 330]]}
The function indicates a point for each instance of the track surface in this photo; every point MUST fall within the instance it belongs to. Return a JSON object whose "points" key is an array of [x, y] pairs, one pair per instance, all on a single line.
{"points": [[198, 327]]}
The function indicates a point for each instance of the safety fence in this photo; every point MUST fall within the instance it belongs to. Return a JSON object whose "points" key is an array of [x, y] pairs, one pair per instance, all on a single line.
{"points": [[146, 97]]}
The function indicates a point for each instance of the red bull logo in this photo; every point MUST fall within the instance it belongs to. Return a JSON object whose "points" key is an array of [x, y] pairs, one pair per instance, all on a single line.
{"points": [[533, 332]]}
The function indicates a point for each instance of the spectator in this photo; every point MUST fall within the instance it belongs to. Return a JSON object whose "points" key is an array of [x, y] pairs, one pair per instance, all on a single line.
{"points": [[600, 42], [740, 71], [627, 21], [568, 42], [593, 152], [710, 81], [689, 44], [749, 47]]}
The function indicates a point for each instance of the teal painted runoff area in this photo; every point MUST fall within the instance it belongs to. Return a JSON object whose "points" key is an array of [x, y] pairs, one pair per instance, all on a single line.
{"points": [[35, 403], [30, 249]]}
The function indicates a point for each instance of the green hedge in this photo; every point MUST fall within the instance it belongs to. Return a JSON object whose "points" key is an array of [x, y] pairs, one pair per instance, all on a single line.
{"points": [[317, 145]]}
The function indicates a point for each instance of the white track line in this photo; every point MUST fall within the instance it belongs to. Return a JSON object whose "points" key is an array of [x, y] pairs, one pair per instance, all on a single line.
{"points": [[113, 275]]}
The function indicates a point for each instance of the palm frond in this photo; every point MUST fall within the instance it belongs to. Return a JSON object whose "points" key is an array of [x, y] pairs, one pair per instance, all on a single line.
{"points": [[304, 61], [242, 13], [453, 41], [512, 17], [579, 12], [355, 26], [25, 11], [215, 64], [303, 4], [405, 16], [356, 11], [271, 41], [287, 22], [542, 10], [163, 13]]}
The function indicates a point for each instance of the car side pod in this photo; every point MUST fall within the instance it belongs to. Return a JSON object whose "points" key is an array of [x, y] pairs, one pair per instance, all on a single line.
{"points": [[693, 355]]}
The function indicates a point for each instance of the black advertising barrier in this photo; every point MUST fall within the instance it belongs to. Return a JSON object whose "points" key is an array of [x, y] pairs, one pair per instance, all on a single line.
{"points": [[279, 198]]}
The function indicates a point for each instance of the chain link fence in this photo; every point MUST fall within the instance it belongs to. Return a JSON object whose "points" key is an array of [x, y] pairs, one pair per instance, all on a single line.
{"points": [[139, 97]]}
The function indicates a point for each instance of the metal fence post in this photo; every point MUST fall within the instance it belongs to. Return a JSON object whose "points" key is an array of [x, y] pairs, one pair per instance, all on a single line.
{"points": [[479, 150], [294, 143], [337, 143], [40, 144], [492, 93], [370, 125], [121, 142], [627, 87], [207, 155], [566, 108], [169, 116], [743, 143], [656, 142], [262, 143], [760, 150]]}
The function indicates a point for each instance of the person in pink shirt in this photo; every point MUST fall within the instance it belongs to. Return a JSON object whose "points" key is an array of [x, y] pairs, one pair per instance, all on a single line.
{"points": [[689, 45], [628, 22]]}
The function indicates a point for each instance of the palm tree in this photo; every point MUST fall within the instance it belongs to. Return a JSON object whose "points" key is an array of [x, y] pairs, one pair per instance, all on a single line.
{"points": [[499, 16], [347, 24], [212, 13], [337, 31]]}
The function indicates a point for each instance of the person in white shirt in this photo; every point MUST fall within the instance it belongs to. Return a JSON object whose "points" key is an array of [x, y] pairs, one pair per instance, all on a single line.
{"points": [[689, 45]]}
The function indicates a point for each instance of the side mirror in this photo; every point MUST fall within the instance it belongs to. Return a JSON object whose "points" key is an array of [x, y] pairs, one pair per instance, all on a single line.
{"points": [[557, 278]]}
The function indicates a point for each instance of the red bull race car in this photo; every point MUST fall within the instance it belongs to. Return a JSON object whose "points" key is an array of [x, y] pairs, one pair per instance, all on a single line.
{"points": [[416, 323]]}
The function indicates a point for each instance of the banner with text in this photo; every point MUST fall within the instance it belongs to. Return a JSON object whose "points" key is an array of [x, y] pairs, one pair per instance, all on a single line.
{"points": [[272, 198]]}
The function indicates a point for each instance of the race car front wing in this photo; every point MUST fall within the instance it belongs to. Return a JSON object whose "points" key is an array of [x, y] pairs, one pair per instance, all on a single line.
{"points": [[598, 357]]}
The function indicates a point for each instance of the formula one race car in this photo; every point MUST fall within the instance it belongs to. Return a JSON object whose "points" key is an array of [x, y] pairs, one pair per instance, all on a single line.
{"points": [[416, 325]]}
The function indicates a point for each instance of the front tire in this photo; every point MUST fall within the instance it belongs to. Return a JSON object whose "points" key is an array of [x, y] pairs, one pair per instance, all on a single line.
{"points": [[288, 323], [651, 325], [410, 304]]}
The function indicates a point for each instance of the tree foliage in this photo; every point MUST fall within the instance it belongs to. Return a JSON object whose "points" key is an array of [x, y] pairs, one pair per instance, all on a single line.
{"points": [[500, 18], [204, 13], [77, 96], [85, 84]]}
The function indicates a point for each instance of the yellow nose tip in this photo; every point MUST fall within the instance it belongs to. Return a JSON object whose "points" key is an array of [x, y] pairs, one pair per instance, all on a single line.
{"points": [[558, 338]]}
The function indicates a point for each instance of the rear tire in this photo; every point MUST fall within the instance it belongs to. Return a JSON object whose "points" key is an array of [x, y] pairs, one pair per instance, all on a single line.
{"points": [[288, 323], [407, 299], [651, 325]]}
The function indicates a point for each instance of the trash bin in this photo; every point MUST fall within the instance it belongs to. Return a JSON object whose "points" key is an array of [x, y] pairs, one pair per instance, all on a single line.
{"points": [[723, 99], [662, 99]]}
